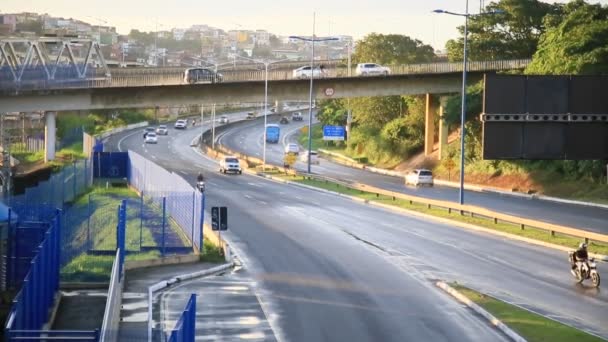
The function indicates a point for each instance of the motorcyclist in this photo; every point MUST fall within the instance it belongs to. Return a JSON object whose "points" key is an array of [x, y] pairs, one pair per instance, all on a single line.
{"points": [[200, 177], [580, 255]]}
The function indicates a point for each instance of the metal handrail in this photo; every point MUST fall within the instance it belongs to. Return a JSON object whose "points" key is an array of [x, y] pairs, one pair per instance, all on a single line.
{"points": [[110, 319]]}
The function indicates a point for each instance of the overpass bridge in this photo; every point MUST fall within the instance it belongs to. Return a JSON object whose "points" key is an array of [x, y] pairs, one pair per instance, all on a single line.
{"points": [[151, 87]]}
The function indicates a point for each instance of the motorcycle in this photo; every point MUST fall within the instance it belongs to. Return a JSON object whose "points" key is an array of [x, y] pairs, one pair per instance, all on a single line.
{"points": [[200, 185], [585, 270]]}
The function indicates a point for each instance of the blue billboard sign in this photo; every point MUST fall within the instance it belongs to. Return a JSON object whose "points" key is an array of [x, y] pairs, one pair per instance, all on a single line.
{"points": [[334, 133]]}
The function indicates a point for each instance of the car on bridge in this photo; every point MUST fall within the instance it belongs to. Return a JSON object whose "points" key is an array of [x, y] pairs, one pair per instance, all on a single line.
{"points": [[181, 124], [304, 72], [223, 119], [162, 130], [371, 69], [251, 116], [202, 75], [419, 177], [151, 138]]}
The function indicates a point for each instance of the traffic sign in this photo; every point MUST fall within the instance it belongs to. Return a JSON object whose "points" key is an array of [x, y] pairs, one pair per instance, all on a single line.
{"points": [[333, 133], [329, 92]]}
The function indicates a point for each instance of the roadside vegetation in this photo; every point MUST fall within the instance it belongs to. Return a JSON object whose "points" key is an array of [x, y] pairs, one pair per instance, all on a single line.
{"points": [[531, 326], [528, 232], [560, 38]]}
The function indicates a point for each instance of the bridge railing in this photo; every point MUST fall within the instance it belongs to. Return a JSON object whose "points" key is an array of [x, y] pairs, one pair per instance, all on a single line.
{"points": [[142, 77], [185, 329]]}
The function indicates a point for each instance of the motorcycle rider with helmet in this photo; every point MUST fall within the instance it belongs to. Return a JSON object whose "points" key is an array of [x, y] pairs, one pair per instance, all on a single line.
{"points": [[580, 255]]}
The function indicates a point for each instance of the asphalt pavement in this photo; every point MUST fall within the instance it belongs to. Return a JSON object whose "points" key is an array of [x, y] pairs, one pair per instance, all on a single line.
{"points": [[325, 268], [248, 139]]}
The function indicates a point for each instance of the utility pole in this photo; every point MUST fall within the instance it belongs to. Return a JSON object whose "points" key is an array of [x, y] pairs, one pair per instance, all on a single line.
{"points": [[5, 173]]}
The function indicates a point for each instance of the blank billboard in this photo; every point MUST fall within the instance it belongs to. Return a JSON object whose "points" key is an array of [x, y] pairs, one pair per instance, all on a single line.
{"points": [[547, 95], [504, 94], [588, 95], [502, 140], [544, 141]]}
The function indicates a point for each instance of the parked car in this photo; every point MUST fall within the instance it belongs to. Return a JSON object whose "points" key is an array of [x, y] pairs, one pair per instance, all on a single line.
{"points": [[181, 124], [371, 69], [304, 72], [250, 115], [419, 177], [297, 116], [284, 120], [162, 130], [230, 164], [292, 148], [223, 119], [151, 138], [148, 130], [202, 75], [314, 157]]}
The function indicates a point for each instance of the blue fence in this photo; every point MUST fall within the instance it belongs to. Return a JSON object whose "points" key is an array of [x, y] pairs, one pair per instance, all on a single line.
{"points": [[170, 199], [31, 305], [110, 164], [185, 328], [62, 187]]}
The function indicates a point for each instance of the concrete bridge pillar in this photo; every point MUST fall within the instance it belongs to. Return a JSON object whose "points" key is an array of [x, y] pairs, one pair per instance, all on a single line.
{"points": [[429, 127], [443, 130], [50, 136]]}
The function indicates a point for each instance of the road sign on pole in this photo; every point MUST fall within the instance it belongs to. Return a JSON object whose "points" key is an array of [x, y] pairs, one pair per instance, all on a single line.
{"points": [[334, 133]]}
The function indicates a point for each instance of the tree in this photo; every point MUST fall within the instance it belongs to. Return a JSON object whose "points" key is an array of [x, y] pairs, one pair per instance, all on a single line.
{"points": [[391, 49], [35, 26], [576, 44], [377, 111], [332, 112], [509, 35], [260, 51]]}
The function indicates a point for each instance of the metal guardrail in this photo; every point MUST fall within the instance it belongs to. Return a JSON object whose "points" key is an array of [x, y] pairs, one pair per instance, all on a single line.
{"points": [[430, 203], [111, 316], [144, 77], [473, 211]]}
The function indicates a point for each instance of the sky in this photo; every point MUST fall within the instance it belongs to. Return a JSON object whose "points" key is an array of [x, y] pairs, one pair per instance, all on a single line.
{"points": [[284, 17]]}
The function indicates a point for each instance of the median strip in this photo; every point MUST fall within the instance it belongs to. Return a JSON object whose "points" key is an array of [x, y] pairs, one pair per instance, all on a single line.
{"points": [[507, 229], [516, 322]]}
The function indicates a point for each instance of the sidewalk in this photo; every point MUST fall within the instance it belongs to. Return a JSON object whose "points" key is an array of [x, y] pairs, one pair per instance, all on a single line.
{"points": [[134, 313], [80, 309]]}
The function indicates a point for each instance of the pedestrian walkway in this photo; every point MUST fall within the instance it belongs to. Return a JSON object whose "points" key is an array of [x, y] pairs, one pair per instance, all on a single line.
{"points": [[80, 310], [134, 312]]}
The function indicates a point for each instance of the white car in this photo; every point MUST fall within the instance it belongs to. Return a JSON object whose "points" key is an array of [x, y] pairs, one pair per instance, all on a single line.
{"points": [[371, 69], [162, 130], [304, 72], [297, 116], [292, 148], [230, 164], [314, 157], [181, 124], [151, 138], [223, 119], [419, 177]]}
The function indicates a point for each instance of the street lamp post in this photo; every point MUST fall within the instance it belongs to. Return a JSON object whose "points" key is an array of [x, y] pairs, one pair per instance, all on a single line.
{"points": [[466, 16], [312, 40], [266, 64]]}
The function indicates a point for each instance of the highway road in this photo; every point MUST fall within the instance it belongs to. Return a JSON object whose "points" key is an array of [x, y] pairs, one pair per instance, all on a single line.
{"points": [[325, 268], [248, 139]]}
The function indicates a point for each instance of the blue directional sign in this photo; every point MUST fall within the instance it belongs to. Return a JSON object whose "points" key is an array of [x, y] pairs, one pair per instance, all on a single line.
{"points": [[334, 133]]}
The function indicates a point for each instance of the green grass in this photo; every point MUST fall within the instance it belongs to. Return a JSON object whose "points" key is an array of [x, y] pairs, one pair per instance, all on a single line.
{"points": [[531, 326], [97, 268], [29, 157], [527, 232], [211, 253]]}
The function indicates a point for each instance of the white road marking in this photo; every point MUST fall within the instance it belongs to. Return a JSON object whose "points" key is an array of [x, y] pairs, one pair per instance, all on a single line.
{"points": [[255, 184], [248, 197], [263, 203]]}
